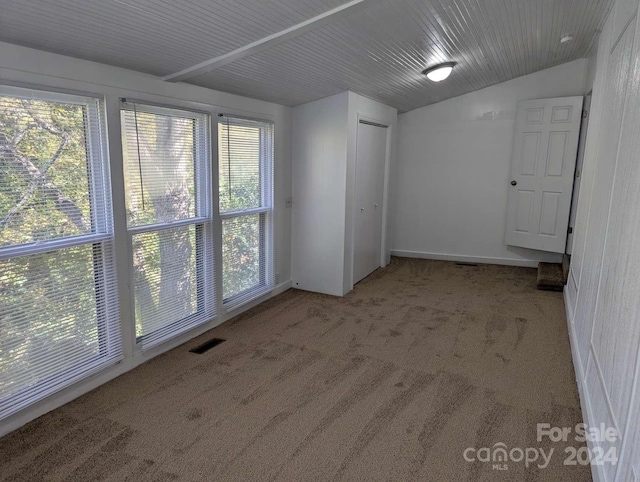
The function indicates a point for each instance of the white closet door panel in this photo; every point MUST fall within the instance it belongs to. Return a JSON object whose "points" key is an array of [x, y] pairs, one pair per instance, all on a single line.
{"points": [[370, 161]]}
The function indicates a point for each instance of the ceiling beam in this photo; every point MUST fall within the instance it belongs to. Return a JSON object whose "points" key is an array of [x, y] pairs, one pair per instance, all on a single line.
{"points": [[269, 41]]}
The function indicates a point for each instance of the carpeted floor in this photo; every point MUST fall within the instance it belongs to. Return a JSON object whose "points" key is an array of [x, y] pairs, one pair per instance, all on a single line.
{"points": [[392, 382]]}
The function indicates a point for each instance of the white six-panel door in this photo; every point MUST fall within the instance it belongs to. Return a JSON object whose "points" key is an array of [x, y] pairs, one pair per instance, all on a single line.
{"points": [[542, 170], [370, 161]]}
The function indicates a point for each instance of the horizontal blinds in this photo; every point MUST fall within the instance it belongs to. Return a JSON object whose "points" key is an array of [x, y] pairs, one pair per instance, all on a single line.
{"points": [[58, 296], [245, 168], [162, 153], [167, 166], [171, 292], [59, 321], [245, 163], [49, 188]]}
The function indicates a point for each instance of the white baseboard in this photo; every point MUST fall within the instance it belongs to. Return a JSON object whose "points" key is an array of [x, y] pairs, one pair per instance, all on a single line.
{"points": [[66, 395], [465, 259], [596, 470]]}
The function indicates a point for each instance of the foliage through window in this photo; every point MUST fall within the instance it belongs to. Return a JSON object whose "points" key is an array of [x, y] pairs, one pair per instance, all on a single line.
{"points": [[167, 177], [58, 302], [245, 176]]}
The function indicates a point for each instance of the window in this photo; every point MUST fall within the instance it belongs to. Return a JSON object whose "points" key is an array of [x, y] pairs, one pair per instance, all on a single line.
{"points": [[58, 301], [245, 167], [167, 179]]}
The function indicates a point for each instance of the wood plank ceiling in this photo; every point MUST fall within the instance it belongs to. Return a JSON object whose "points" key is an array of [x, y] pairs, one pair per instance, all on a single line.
{"points": [[377, 50]]}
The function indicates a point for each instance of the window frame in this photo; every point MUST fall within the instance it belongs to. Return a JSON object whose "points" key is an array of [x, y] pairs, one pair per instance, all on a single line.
{"points": [[265, 211], [101, 241], [203, 221]]}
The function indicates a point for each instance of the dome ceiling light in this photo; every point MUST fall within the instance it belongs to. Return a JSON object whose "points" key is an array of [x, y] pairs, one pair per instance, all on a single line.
{"points": [[439, 72]]}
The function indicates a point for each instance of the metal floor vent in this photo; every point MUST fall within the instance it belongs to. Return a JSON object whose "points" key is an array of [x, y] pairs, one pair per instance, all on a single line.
{"points": [[207, 345], [464, 263]]}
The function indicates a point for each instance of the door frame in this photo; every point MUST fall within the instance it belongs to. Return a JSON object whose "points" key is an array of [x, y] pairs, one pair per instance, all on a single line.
{"points": [[577, 176], [351, 207]]}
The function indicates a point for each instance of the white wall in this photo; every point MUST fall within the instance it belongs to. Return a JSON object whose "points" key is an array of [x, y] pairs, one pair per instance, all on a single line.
{"points": [[24, 66], [453, 165], [603, 293], [319, 186], [324, 159]]}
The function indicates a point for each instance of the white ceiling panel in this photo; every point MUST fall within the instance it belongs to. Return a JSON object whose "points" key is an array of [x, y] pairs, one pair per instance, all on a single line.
{"points": [[378, 51], [153, 36]]}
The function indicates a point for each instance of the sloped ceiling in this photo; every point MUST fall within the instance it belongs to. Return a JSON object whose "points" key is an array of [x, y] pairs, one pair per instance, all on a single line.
{"points": [[377, 50]]}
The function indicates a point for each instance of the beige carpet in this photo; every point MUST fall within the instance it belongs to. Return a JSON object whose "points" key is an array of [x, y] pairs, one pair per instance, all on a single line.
{"points": [[392, 382]]}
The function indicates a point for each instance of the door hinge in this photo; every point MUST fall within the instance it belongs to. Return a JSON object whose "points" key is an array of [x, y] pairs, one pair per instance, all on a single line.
{"points": [[577, 172], [585, 113], [570, 230]]}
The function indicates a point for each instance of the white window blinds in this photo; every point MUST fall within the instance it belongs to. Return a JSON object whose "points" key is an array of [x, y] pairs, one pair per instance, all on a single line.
{"points": [[167, 178], [58, 301], [245, 174]]}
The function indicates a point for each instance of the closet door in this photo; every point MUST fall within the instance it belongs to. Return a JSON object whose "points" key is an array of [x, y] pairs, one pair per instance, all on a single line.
{"points": [[370, 161]]}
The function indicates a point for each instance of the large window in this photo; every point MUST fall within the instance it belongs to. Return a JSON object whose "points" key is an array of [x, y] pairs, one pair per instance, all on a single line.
{"points": [[58, 305], [168, 178], [59, 313], [245, 170]]}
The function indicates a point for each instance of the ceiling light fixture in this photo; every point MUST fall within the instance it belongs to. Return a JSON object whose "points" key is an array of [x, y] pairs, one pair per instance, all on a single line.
{"points": [[566, 38], [439, 72]]}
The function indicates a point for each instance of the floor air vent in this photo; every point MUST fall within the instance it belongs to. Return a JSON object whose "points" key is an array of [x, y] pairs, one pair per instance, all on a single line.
{"points": [[465, 263], [207, 345]]}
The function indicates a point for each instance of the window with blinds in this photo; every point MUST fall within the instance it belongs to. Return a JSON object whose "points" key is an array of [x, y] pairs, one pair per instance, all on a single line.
{"points": [[169, 215], [58, 301], [245, 176]]}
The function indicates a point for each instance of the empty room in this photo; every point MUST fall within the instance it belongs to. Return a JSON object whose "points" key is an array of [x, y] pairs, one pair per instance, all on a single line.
{"points": [[312, 240]]}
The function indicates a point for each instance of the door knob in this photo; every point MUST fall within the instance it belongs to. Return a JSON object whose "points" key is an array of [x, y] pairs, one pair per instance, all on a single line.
{"points": [[514, 182], [361, 210], [375, 206]]}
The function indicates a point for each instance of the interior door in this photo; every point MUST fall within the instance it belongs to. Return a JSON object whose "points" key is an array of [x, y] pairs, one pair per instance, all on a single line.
{"points": [[370, 160], [542, 170]]}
